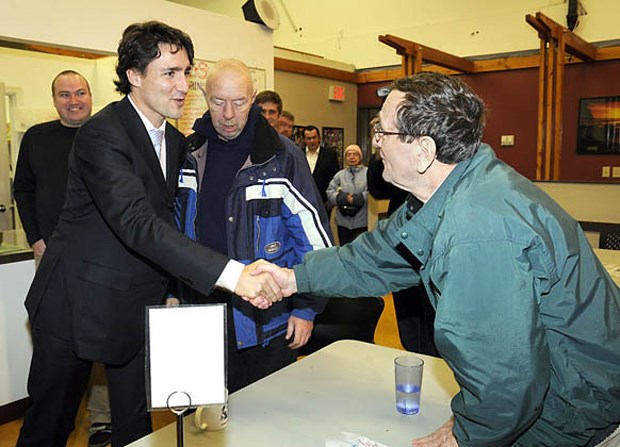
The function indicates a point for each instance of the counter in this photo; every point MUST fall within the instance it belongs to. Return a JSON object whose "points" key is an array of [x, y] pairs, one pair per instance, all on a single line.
{"points": [[14, 247], [16, 273]]}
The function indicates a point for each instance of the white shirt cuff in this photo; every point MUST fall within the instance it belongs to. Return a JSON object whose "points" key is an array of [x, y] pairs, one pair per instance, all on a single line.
{"points": [[230, 275]]}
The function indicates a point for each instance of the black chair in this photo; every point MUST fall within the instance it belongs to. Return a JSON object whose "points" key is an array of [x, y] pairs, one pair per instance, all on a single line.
{"points": [[609, 240], [345, 318]]}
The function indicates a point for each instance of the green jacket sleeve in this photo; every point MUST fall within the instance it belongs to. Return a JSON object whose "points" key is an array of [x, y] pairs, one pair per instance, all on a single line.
{"points": [[368, 266]]}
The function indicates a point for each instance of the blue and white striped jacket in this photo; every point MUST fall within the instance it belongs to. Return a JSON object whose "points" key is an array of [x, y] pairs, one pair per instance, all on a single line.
{"points": [[274, 212]]}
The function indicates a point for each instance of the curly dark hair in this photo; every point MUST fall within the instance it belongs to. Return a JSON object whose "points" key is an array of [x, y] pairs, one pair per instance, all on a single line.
{"points": [[140, 45], [444, 108]]}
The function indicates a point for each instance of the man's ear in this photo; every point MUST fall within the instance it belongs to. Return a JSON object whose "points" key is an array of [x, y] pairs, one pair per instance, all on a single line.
{"points": [[134, 77], [427, 151]]}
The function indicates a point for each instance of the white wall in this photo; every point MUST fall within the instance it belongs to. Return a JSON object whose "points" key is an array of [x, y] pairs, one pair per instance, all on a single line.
{"points": [[587, 202], [306, 98], [98, 26], [33, 73]]}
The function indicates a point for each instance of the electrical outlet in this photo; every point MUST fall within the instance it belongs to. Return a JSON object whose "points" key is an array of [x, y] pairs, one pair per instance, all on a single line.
{"points": [[605, 171], [615, 172], [507, 140]]}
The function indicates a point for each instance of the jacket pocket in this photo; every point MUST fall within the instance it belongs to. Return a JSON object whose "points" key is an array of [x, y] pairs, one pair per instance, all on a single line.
{"points": [[104, 275]]}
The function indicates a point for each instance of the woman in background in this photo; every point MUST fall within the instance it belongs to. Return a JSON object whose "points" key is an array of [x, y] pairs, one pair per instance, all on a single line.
{"points": [[349, 193]]}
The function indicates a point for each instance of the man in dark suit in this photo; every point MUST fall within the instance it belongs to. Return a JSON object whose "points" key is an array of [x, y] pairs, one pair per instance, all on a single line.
{"points": [[116, 248], [323, 161]]}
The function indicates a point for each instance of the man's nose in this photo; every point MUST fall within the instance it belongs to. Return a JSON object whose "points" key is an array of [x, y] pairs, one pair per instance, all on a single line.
{"points": [[228, 111], [183, 85]]}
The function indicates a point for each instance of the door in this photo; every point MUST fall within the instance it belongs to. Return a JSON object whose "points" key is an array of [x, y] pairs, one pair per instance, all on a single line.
{"points": [[6, 215]]}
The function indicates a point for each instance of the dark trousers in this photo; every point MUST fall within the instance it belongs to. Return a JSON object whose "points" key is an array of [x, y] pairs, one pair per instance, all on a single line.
{"points": [[346, 235], [415, 317], [246, 366], [56, 384]]}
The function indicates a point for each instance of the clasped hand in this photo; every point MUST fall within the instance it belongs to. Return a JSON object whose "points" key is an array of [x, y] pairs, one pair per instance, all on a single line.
{"points": [[263, 284]]}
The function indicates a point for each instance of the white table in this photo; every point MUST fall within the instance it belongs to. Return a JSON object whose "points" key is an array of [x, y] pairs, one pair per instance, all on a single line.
{"points": [[611, 262], [347, 386]]}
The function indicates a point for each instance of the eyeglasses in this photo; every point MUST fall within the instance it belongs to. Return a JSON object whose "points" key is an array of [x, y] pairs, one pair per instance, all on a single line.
{"points": [[379, 133]]}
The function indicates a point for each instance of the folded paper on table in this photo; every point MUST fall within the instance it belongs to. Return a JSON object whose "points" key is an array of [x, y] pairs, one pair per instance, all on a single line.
{"points": [[347, 439]]}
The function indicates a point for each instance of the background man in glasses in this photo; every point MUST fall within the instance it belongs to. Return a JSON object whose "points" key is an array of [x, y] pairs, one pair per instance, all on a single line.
{"points": [[527, 316]]}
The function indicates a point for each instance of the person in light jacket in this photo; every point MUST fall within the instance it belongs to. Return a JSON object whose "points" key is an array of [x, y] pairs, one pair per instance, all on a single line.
{"points": [[349, 193]]}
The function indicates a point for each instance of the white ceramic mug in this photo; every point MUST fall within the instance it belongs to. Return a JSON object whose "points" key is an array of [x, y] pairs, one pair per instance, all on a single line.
{"points": [[212, 417]]}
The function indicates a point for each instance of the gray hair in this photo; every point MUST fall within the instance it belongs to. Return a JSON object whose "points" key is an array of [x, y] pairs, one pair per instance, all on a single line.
{"points": [[444, 108]]}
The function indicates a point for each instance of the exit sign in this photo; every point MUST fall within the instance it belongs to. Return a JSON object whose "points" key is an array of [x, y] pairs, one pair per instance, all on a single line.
{"points": [[336, 93]]}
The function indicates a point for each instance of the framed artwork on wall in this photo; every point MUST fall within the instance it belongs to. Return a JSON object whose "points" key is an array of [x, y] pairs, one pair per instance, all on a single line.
{"points": [[333, 137], [298, 136], [598, 129]]}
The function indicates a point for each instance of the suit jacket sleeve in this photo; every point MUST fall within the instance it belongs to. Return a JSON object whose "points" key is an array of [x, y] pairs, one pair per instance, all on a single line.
{"points": [[112, 169]]}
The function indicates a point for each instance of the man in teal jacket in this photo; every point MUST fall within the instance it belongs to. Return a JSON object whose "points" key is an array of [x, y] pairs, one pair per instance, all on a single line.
{"points": [[527, 317]]}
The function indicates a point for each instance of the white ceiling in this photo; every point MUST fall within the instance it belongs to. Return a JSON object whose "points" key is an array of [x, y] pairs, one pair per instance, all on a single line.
{"points": [[347, 30]]}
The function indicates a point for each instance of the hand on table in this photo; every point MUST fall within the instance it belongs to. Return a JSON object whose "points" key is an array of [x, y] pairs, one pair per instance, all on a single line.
{"points": [[442, 437], [300, 330], [258, 288], [284, 278]]}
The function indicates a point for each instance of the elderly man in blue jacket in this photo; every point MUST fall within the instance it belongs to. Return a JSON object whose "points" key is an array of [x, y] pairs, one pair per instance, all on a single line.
{"points": [[527, 317], [256, 200]]}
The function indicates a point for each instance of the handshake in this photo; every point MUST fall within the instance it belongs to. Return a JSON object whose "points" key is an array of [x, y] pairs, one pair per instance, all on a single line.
{"points": [[262, 284]]}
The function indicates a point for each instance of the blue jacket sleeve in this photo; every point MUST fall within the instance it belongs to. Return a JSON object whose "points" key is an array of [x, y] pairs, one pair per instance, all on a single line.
{"points": [[307, 306]]}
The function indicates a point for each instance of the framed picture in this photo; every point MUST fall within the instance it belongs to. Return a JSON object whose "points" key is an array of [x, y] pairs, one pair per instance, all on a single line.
{"points": [[333, 137], [598, 130], [298, 136]]}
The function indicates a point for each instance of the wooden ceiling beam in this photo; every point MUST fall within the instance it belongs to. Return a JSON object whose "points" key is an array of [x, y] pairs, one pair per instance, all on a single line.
{"points": [[313, 70], [486, 65], [574, 44], [579, 47], [539, 26], [408, 48]]}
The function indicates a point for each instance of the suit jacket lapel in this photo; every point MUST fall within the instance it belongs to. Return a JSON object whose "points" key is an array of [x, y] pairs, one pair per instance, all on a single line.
{"points": [[140, 139]]}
